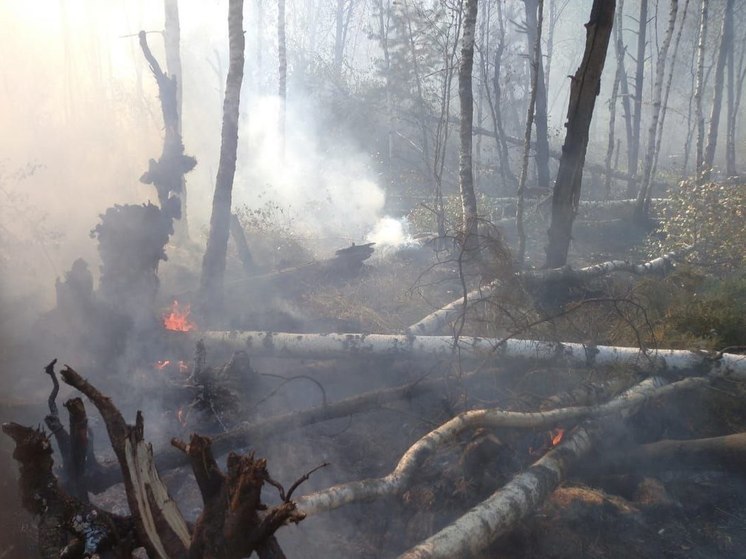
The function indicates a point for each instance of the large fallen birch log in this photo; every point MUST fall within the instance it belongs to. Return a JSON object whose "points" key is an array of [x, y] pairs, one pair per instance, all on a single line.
{"points": [[445, 315], [325, 346], [401, 477]]}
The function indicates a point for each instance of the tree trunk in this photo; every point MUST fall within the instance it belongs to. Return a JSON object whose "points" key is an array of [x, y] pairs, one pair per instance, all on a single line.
{"points": [[717, 98], [539, 91], [213, 263], [466, 174], [495, 104], [584, 89], [621, 53], [612, 105], [283, 73], [740, 77], [664, 108], [700, 89], [730, 135], [634, 148], [536, 78], [647, 176], [172, 40]]}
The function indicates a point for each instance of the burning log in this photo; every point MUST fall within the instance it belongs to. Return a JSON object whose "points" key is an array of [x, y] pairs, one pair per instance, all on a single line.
{"points": [[498, 514], [445, 315], [401, 477], [325, 346]]}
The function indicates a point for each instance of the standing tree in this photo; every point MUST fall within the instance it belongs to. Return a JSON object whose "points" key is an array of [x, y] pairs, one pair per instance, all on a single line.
{"points": [[213, 263], [536, 77], [283, 72], [539, 93], [584, 89], [700, 88], [466, 98], [633, 150], [641, 206], [726, 38]]}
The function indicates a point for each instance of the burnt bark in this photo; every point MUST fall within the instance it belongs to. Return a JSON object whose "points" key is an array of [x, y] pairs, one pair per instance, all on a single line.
{"points": [[584, 89], [68, 528], [167, 174], [213, 263], [234, 522]]}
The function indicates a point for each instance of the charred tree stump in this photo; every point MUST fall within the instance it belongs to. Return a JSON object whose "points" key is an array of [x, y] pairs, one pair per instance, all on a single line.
{"points": [[234, 522], [160, 527], [68, 528]]}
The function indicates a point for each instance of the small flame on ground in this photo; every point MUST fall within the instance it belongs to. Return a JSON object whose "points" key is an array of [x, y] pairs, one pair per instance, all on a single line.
{"points": [[177, 319], [183, 367], [557, 436], [160, 365], [182, 417]]}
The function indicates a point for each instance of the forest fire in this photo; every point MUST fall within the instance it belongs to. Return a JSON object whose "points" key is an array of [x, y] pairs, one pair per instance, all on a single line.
{"points": [[177, 319], [162, 364], [557, 435]]}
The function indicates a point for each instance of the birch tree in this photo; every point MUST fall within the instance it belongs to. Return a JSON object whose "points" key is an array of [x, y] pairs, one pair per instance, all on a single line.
{"points": [[700, 118], [641, 209], [466, 99]]}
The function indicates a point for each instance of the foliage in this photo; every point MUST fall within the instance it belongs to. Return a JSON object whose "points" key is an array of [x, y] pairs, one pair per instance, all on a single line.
{"points": [[272, 235], [690, 309], [712, 218]]}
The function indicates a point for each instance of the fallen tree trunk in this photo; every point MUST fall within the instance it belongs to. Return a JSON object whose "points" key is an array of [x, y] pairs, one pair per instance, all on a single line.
{"points": [[318, 346], [728, 451], [443, 316], [169, 458], [495, 516], [402, 475], [498, 514]]}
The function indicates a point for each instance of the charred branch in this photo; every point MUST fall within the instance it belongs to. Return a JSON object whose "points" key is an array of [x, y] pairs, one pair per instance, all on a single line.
{"points": [[160, 526], [67, 527]]}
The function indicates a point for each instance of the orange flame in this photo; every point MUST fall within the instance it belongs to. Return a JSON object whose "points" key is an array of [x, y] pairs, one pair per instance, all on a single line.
{"points": [[178, 319], [557, 436], [183, 367], [160, 365]]}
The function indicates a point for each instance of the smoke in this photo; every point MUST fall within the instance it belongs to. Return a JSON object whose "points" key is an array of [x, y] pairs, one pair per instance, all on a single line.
{"points": [[391, 233]]}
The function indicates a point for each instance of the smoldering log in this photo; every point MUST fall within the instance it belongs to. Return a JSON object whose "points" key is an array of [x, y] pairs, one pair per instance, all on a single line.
{"points": [[168, 458], [325, 346], [499, 513], [443, 316], [401, 477], [728, 451]]}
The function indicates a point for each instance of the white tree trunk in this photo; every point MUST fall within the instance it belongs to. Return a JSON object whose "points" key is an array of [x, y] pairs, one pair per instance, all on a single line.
{"points": [[443, 316], [324, 346]]}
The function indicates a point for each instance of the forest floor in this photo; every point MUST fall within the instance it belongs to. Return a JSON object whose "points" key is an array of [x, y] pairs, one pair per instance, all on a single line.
{"points": [[697, 513]]}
